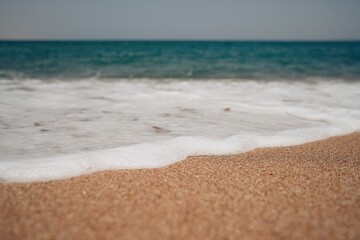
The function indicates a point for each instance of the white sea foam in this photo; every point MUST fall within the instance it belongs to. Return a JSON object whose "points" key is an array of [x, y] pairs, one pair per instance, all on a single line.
{"points": [[59, 129]]}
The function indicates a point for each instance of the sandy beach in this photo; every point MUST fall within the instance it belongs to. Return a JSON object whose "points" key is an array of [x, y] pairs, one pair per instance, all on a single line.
{"points": [[311, 191]]}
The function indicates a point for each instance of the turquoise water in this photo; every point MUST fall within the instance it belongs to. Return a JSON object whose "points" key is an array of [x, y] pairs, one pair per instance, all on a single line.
{"points": [[179, 59]]}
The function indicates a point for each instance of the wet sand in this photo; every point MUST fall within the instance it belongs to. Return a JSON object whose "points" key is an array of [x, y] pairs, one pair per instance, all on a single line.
{"points": [[311, 191]]}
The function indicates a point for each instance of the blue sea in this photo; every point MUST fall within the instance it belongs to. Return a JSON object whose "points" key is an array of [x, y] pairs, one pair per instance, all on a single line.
{"points": [[69, 108], [179, 60]]}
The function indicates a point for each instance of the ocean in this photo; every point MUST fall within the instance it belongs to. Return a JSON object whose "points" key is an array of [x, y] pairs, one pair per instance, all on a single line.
{"points": [[179, 60], [69, 108]]}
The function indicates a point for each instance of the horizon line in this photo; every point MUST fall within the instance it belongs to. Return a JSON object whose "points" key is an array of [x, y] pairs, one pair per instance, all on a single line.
{"points": [[176, 40]]}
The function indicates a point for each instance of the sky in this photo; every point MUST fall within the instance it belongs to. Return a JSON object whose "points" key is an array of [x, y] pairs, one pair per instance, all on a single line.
{"points": [[181, 19]]}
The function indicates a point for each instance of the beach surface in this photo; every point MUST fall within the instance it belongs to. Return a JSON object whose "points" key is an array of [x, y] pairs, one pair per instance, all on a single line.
{"points": [[311, 191]]}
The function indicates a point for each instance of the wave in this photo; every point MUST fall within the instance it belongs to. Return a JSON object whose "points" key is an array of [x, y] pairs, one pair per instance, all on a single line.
{"points": [[60, 129]]}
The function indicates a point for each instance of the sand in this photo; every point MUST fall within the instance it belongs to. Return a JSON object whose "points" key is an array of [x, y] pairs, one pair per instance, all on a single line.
{"points": [[311, 191]]}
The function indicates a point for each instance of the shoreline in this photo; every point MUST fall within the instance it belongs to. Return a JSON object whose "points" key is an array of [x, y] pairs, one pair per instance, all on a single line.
{"points": [[306, 191], [146, 124]]}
